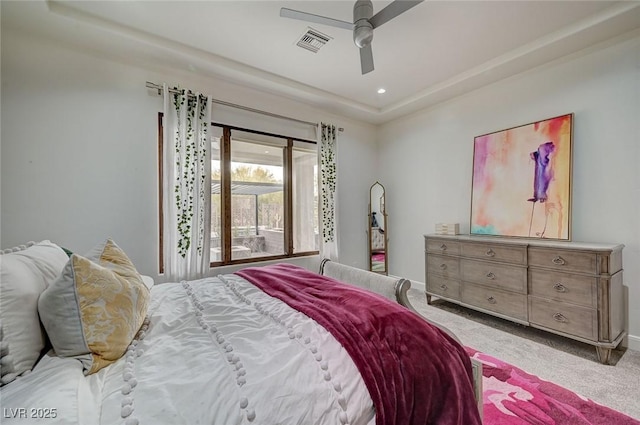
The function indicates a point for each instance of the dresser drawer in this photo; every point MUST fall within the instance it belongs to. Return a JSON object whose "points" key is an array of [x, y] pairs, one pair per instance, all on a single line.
{"points": [[503, 276], [564, 287], [570, 319], [442, 246], [565, 260], [516, 254], [502, 302], [443, 266], [448, 288]]}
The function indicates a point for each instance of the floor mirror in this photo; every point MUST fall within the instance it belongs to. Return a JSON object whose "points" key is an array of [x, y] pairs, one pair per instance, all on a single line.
{"points": [[377, 230]]}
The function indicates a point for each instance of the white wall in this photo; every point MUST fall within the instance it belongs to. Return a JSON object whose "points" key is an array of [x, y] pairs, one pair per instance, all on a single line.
{"points": [[79, 149], [79, 157], [428, 156]]}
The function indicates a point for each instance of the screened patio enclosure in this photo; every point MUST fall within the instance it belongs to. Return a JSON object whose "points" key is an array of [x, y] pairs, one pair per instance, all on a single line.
{"points": [[260, 167], [256, 225]]}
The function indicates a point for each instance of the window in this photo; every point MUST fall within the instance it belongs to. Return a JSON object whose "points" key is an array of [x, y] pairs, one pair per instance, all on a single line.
{"points": [[264, 196]]}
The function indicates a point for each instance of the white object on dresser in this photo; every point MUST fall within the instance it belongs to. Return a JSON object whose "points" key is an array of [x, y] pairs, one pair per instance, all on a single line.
{"points": [[447, 229], [572, 289]]}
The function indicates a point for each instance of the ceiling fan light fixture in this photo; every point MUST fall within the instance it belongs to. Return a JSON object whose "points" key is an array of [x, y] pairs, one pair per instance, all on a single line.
{"points": [[363, 30], [363, 34]]}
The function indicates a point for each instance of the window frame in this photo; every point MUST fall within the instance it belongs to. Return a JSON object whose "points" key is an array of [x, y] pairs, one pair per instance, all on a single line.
{"points": [[225, 196]]}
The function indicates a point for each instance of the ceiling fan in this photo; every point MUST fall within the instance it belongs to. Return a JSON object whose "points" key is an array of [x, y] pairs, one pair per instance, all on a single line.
{"points": [[364, 22]]}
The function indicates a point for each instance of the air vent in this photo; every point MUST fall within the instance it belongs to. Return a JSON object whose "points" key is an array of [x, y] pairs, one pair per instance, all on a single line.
{"points": [[313, 40]]}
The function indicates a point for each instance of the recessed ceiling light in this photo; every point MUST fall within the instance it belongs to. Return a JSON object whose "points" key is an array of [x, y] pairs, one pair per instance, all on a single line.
{"points": [[381, 91]]}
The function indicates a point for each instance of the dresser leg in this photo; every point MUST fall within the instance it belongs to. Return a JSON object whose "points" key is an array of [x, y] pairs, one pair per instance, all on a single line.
{"points": [[604, 354], [428, 299]]}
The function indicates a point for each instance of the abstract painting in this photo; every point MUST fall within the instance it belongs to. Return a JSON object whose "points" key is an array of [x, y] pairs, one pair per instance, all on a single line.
{"points": [[521, 183]]}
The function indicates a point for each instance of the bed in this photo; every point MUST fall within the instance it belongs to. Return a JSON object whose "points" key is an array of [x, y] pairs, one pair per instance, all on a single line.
{"points": [[87, 340]]}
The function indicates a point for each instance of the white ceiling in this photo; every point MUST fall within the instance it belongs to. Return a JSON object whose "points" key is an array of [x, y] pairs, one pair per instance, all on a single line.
{"points": [[434, 51]]}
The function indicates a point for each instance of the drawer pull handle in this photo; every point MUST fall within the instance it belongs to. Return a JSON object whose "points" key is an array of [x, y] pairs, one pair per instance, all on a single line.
{"points": [[490, 253], [560, 287], [443, 266], [558, 261], [492, 300], [443, 287], [559, 317], [491, 276], [443, 247]]}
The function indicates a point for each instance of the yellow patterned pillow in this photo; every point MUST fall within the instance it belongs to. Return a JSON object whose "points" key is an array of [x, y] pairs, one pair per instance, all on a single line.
{"points": [[96, 306]]}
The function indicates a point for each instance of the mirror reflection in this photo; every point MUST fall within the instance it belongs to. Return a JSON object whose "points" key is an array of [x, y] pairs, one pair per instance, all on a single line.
{"points": [[377, 230]]}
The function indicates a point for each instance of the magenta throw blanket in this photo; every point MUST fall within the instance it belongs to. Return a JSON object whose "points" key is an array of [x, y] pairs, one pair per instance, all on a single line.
{"points": [[415, 373]]}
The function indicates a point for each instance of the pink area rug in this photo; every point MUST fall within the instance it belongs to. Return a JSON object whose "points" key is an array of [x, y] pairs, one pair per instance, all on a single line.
{"points": [[512, 396]]}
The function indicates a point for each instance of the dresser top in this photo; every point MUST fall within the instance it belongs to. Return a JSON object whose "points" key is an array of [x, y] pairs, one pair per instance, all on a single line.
{"points": [[544, 243]]}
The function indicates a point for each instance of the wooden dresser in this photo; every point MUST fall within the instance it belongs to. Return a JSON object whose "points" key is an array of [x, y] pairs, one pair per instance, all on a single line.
{"points": [[572, 289]]}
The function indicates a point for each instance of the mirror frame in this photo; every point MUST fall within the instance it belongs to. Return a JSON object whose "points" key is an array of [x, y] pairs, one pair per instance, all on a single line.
{"points": [[379, 207]]}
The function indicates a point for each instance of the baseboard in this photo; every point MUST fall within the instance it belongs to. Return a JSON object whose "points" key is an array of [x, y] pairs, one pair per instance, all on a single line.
{"points": [[418, 285], [633, 342]]}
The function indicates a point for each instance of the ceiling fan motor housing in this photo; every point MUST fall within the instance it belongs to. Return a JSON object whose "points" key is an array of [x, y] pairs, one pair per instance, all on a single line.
{"points": [[363, 30]]}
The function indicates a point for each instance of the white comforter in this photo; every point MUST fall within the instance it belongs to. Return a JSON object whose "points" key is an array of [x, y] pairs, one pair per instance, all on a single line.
{"points": [[214, 351]]}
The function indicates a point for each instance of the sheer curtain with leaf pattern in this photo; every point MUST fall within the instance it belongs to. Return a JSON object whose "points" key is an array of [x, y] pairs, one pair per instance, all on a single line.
{"points": [[328, 198], [187, 183]]}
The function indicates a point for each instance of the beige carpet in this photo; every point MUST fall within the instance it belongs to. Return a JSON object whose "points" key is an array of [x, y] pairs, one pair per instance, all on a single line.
{"points": [[568, 363]]}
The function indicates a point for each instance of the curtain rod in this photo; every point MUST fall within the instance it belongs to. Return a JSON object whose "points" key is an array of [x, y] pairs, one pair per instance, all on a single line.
{"points": [[233, 105]]}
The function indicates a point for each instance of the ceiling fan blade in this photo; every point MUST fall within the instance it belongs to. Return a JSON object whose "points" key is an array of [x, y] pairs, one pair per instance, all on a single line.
{"points": [[310, 17], [391, 11], [366, 59]]}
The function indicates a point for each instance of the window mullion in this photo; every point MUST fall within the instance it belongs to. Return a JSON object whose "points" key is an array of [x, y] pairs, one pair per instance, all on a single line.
{"points": [[225, 151], [288, 197]]}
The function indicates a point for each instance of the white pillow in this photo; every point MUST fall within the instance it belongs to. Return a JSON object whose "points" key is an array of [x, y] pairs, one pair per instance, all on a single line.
{"points": [[7, 369], [25, 272], [148, 281]]}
